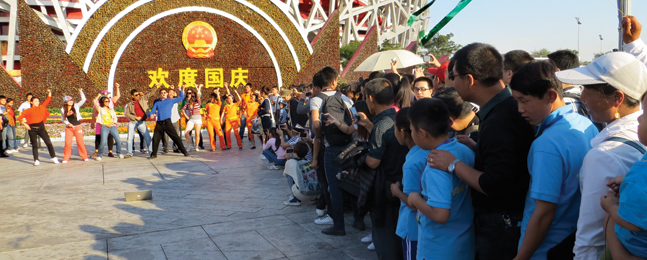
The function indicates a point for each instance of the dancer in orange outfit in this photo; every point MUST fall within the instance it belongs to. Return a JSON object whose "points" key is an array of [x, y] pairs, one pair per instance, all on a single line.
{"points": [[251, 112], [71, 117], [231, 118], [213, 120]]}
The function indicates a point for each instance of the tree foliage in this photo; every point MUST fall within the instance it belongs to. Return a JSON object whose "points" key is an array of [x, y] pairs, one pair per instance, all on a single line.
{"points": [[442, 44], [347, 52], [599, 54], [386, 45], [541, 53]]}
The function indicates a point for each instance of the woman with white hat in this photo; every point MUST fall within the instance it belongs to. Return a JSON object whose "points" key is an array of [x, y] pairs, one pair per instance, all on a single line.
{"points": [[613, 85], [71, 117]]}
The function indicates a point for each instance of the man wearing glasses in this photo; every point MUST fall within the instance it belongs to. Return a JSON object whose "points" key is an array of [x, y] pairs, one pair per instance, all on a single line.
{"points": [[422, 87], [136, 113]]}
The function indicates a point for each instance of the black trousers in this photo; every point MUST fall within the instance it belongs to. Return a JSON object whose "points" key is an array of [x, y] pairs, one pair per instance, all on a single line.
{"points": [[162, 127], [38, 130], [388, 245], [97, 142], [497, 239], [324, 199]]}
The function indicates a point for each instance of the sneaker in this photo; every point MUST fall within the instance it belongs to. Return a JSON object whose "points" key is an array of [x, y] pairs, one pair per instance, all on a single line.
{"points": [[263, 157], [86, 159], [273, 167], [324, 220], [98, 158], [152, 157], [212, 150], [25, 145], [64, 162], [253, 147], [292, 202], [19, 149], [36, 162], [144, 151], [321, 212], [94, 155], [110, 154], [164, 151], [197, 149], [127, 155], [371, 247], [121, 156], [240, 148], [14, 150], [367, 239], [55, 160]]}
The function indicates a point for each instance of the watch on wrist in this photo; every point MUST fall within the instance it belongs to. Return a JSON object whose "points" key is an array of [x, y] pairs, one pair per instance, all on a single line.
{"points": [[452, 166]]}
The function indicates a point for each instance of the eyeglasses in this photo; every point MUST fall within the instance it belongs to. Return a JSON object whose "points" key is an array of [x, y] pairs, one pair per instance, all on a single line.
{"points": [[420, 89]]}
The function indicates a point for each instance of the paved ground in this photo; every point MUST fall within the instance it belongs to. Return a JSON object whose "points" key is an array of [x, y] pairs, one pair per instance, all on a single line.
{"points": [[212, 205]]}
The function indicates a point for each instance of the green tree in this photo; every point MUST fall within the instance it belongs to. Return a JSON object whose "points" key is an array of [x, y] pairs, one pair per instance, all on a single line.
{"points": [[441, 44], [347, 52], [386, 45], [599, 54], [541, 53]]}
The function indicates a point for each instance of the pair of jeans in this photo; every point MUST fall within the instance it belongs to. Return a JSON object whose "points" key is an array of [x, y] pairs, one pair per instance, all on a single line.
{"points": [[141, 127], [496, 238], [105, 132], [271, 157], [38, 130], [336, 209], [9, 138]]}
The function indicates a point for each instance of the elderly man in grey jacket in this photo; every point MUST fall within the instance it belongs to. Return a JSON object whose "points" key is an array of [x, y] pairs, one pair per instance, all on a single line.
{"points": [[136, 111]]}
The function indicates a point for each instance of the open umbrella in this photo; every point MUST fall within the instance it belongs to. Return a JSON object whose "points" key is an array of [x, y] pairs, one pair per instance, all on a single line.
{"points": [[382, 60]]}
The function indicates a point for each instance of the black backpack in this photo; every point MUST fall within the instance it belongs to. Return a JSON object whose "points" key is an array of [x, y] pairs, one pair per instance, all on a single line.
{"points": [[335, 106]]}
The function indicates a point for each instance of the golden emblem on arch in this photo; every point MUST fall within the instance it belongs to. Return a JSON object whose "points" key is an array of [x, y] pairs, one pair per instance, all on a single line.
{"points": [[199, 39]]}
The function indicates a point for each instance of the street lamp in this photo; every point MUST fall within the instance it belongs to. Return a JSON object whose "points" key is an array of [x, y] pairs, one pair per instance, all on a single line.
{"points": [[578, 36]]}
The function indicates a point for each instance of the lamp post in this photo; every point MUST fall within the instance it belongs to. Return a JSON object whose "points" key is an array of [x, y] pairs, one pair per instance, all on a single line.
{"points": [[578, 37]]}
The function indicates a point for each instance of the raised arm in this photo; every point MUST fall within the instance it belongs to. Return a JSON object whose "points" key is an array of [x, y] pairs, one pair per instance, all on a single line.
{"points": [[48, 99], [116, 97], [237, 95], [95, 102], [80, 103]]}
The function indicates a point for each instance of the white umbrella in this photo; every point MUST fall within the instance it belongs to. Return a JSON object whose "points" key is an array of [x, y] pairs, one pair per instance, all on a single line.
{"points": [[382, 60]]}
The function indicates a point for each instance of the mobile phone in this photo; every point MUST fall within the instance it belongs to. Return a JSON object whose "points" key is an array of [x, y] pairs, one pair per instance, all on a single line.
{"points": [[289, 150], [426, 58], [324, 117], [353, 111], [394, 59]]}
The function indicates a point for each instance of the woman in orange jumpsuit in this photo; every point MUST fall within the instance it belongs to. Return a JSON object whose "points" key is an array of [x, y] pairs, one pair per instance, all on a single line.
{"points": [[213, 121], [230, 115], [251, 112]]}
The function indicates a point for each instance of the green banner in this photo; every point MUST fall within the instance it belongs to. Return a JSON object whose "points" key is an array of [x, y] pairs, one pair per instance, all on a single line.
{"points": [[459, 7], [413, 17]]}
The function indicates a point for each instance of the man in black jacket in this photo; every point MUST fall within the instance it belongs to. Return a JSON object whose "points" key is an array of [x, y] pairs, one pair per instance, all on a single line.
{"points": [[500, 178]]}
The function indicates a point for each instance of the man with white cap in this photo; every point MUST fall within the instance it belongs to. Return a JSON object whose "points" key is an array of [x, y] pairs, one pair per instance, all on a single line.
{"points": [[613, 85]]}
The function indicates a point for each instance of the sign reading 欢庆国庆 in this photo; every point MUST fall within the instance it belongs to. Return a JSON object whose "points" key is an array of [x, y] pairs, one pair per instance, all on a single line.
{"points": [[214, 77], [199, 39]]}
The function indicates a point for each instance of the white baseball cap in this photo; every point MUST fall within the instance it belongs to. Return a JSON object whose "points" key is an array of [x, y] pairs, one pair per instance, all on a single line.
{"points": [[621, 70]]}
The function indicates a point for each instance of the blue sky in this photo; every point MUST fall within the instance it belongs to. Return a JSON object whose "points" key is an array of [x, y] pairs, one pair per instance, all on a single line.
{"points": [[535, 24]]}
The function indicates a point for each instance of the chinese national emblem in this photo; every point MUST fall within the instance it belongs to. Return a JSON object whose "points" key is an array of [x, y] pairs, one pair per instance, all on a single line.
{"points": [[199, 39]]}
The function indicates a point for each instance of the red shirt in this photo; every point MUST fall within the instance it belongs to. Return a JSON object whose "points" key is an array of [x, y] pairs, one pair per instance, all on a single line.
{"points": [[139, 112], [35, 115]]}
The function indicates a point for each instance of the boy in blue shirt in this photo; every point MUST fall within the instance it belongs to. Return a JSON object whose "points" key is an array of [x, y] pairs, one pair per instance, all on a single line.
{"points": [[446, 229], [412, 170], [563, 138], [626, 215]]}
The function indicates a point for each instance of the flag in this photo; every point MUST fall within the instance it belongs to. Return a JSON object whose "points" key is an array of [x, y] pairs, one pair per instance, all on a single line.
{"points": [[459, 7], [413, 16]]}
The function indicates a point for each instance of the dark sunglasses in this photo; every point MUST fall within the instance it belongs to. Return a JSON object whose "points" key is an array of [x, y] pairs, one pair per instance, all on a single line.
{"points": [[451, 76]]}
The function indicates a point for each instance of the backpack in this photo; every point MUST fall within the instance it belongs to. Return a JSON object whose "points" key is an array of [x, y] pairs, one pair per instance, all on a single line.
{"points": [[307, 179], [335, 106]]}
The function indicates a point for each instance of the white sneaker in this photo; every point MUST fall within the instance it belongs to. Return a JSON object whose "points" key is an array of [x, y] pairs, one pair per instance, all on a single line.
{"points": [[320, 212], [371, 247], [64, 161], [367, 239], [36, 162], [98, 158], [14, 151], [197, 149], [263, 157], [273, 167], [25, 145], [55, 160], [121, 156], [324, 220], [86, 159]]}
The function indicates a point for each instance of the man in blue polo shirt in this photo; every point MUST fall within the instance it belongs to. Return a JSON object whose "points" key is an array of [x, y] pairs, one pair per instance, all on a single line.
{"points": [[163, 110], [563, 138]]}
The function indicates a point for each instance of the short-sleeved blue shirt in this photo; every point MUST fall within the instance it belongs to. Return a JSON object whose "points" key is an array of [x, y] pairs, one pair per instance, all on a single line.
{"points": [[633, 209], [454, 239], [554, 162], [411, 178]]}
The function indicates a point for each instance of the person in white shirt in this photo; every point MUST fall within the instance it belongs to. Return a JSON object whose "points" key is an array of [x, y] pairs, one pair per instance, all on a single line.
{"points": [[23, 106], [612, 97], [631, 36]]}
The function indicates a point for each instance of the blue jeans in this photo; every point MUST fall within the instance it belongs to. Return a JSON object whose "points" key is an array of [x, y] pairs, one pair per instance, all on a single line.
{"points": [[243, 124], [271, 157], [105, 131], [336, 210], [141, 127], [9, 138]]}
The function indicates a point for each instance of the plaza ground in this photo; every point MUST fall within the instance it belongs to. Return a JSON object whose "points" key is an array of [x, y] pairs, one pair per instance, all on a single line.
{"points": [[211, 205]]}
